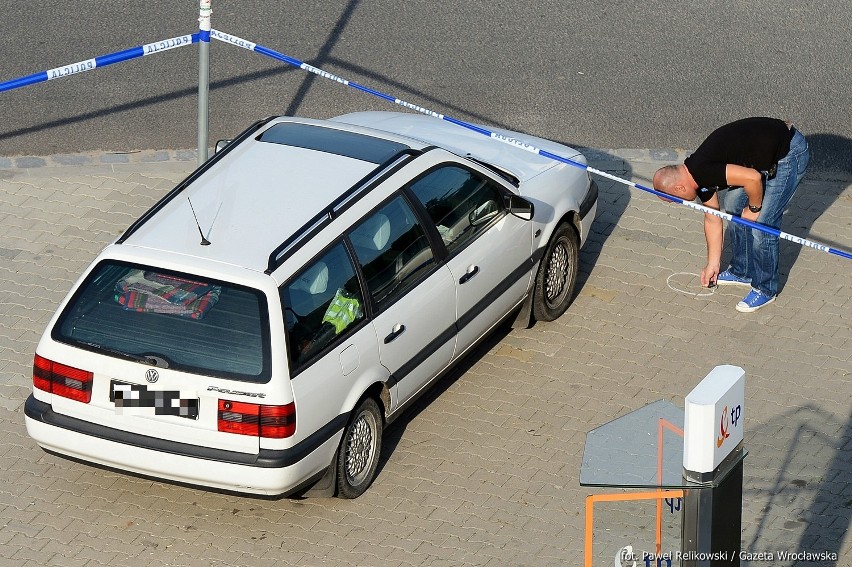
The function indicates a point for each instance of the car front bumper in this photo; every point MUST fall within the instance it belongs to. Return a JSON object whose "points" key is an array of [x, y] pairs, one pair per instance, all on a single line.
{"points": [[588, 210]]}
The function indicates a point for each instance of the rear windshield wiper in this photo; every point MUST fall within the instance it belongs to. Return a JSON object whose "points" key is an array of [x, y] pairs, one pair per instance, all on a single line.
{"points": [[141, 359]]}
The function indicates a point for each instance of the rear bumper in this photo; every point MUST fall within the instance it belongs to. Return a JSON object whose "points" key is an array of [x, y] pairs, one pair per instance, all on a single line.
{"points": [[269, 472]]}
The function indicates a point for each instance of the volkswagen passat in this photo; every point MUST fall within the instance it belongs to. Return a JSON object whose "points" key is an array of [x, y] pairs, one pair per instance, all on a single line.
{"points": [[257, 328]]}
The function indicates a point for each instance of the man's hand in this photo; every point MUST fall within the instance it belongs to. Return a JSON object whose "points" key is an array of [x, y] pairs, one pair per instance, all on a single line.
{"points": [[748, 215], [709, 275]]}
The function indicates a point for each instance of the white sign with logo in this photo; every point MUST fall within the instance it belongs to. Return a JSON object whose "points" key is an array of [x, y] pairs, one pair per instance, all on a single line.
{"points": [[713, 425]]}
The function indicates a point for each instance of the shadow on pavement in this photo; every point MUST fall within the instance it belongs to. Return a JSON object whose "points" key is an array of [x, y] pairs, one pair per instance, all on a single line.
{"points": [[809, 481], [323, 58], [829, 174], [613, 199], [394, 433]]}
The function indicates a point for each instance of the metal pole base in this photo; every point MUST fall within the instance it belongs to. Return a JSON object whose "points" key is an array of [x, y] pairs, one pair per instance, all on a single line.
{"points": [[712, 523]]}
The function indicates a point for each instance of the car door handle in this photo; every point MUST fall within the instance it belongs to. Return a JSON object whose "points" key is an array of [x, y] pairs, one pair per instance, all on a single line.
{"points": [[471, 271], [395, 332]]}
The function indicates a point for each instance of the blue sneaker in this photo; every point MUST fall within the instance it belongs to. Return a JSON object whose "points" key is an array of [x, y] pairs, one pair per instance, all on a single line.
{"points": [[754, 301], [728, 278]]}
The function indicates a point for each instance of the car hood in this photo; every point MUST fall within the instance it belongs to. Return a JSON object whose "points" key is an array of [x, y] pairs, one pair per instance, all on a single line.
{"points": [[522, 163]]}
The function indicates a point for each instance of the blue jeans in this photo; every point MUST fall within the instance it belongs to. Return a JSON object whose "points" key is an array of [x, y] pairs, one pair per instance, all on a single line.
{"points": [[754, 253]]}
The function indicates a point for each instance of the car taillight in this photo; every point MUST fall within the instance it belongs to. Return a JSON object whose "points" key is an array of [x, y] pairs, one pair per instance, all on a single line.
{"points": [[62, 380], [274, 422]]}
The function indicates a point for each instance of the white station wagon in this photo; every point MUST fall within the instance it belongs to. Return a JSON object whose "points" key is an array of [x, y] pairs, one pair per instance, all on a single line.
{"points": [[258, 327]]}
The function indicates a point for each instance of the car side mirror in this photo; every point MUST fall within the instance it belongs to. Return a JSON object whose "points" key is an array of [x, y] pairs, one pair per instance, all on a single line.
{"points": [[221, 144], [520, 207]]}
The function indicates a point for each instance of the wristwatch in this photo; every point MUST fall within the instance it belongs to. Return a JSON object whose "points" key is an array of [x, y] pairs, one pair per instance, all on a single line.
{"points": [[754, 209]]}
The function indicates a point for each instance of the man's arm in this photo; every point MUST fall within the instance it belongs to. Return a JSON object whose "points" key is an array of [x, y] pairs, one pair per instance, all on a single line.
{"points": [[713, 233], [751, 182]]}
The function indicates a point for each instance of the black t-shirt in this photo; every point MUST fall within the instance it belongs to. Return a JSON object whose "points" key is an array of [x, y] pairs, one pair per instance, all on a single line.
{"points": [[751, 142]]}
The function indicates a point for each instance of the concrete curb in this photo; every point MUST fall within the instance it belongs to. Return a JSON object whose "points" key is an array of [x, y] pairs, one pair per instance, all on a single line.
{"points": [[97, 158]]}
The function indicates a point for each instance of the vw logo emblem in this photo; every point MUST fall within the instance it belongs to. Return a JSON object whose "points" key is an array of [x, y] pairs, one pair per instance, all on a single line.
{"points": [[152, 376]]}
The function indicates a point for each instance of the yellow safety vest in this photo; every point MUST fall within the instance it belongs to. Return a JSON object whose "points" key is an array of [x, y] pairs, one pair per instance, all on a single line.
{"points": [[342, 310]]}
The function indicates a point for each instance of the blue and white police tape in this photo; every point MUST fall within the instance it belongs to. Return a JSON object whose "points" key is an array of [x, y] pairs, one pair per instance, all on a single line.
{"points": [[251, 46], [102, 61]]}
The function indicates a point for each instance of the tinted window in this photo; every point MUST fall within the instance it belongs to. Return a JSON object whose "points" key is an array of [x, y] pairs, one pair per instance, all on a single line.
{"points": [[180, 320], [459, 202], [321, 304], [392, 249], [347, 144]]}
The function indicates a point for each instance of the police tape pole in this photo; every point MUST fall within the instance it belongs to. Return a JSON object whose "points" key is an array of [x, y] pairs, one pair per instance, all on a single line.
{"points": [[204, 26], [245, 44]]}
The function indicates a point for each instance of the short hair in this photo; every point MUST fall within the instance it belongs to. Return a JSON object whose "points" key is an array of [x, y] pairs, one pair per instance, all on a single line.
{"points": [[666, 178]]}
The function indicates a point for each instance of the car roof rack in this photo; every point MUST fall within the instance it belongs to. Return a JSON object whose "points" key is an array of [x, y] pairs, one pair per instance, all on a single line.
{"points": [[339, 205]]}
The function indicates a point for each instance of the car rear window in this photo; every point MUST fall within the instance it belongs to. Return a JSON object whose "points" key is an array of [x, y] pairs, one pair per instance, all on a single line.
{"points": [[170, 320]]}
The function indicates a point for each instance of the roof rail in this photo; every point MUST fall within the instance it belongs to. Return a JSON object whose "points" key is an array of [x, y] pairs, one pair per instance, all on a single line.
{"points": [[338, 206], [192, 177]]}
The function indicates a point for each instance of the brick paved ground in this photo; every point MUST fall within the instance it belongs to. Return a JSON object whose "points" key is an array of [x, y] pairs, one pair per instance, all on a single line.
{"points": [[484, 471]]}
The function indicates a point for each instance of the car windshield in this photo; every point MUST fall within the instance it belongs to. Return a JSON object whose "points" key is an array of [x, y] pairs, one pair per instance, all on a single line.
{"points": [[170, 320]]}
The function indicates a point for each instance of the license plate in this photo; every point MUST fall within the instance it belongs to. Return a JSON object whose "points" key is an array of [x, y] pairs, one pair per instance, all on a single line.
{"points": [[164, 402]]}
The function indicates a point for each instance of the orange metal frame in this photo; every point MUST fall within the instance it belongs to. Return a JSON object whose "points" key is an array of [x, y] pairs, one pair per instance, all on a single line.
{"points": [[659, 495], [617, 497]]}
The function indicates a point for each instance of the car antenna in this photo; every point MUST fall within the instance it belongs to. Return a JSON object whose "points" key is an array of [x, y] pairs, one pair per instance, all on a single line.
{"points": [[204, 241]]}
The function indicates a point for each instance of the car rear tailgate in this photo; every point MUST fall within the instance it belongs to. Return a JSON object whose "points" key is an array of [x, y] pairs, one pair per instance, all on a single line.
{"points": [[151, 402]]}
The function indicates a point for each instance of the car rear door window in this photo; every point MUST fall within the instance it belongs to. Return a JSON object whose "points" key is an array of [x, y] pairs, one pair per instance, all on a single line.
{"points": [[392, 249], [321, 305], [459, 202]]}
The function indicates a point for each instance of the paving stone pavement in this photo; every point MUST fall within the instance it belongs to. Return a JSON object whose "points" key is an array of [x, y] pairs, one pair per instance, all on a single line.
{"points": [[484, 470]]}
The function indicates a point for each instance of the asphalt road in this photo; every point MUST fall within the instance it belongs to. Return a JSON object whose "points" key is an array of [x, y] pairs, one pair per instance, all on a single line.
{"points": [[595, 73]]}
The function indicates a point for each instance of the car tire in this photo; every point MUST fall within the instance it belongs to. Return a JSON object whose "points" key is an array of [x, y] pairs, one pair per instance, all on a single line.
{"points": [[358, 456], [557, 275]]}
